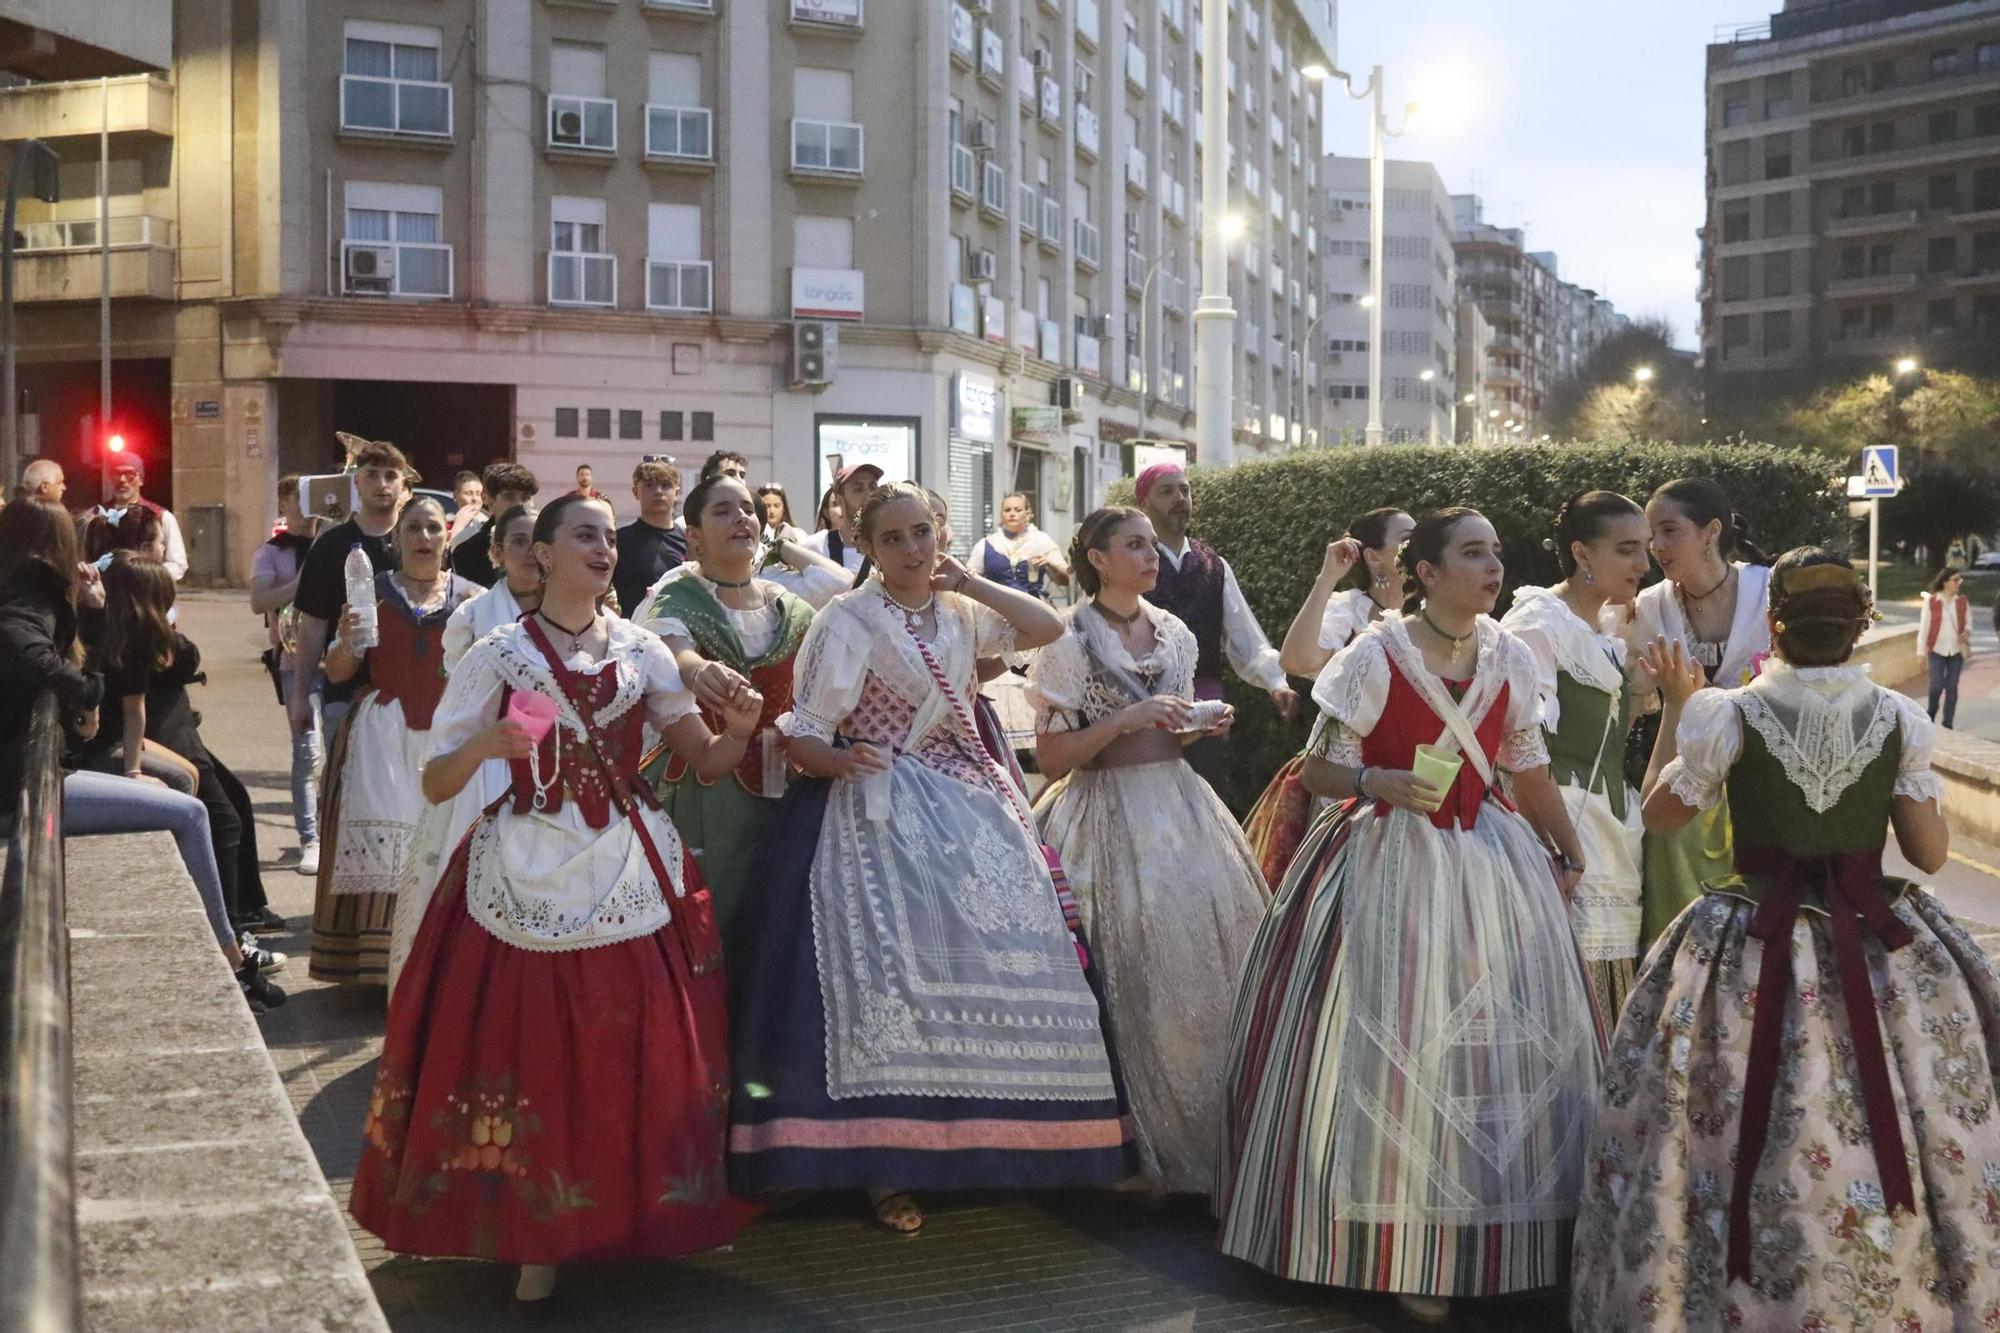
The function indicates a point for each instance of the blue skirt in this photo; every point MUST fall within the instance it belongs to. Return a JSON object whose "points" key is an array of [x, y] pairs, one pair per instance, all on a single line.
{"points": [[786, 1133]]}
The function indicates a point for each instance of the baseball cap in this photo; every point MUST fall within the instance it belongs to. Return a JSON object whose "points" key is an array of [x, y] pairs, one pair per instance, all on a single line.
{"points": [[842, 477]]}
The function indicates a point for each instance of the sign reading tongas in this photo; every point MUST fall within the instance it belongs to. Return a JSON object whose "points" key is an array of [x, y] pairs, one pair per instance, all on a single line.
{"points": [[975, 402], [826, 293]]}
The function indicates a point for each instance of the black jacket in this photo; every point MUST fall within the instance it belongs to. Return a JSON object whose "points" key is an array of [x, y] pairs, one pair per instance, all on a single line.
{"points": [[37, 629]]}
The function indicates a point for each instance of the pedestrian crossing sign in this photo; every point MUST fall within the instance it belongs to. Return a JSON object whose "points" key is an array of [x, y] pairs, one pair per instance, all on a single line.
{"points": [[1878, 471]]}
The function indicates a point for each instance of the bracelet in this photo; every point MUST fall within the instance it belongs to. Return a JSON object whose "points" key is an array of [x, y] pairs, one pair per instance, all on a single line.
{"points": [[1360, 775], [963, 579]]}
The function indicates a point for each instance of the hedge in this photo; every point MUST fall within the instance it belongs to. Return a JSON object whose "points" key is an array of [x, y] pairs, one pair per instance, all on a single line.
{"points": [[1272, 520]]}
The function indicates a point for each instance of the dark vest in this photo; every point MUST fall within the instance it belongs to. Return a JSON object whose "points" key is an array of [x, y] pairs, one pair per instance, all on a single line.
{"points": [[1194, 593]]}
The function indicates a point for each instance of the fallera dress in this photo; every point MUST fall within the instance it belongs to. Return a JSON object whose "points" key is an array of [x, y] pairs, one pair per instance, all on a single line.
{"points": [[1413, 1049], [553, 1085], [1586, 699], [374, 800], [914, 1012], [1169, 895], [1798, 1126]]}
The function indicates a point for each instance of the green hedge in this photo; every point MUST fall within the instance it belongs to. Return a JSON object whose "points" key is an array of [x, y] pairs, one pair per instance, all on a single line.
{"points": [[1273, 520]]}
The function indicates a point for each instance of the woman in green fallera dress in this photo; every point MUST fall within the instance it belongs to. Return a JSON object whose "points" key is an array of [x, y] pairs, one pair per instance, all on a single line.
{"points": [[729, 631], [1797, 1126], [1711, 602]]}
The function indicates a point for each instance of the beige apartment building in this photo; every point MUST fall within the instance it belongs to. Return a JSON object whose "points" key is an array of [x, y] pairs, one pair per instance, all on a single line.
{"points": [[1853, 186], [587, 231]]}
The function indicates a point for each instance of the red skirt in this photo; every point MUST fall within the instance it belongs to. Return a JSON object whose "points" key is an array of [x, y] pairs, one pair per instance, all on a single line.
{"points": [[544, 1108]]}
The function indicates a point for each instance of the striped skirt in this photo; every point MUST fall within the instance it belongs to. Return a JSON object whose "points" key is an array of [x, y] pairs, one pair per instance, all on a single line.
{"points": [[1413, 1060]]}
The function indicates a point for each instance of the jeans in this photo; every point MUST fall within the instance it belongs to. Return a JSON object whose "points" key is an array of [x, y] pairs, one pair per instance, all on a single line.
{"points": [[1945, 672], [95, 803], [305, 767]]}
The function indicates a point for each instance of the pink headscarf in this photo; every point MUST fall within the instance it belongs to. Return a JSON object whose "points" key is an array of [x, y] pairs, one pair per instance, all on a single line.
{"points": [[1151, 476]]}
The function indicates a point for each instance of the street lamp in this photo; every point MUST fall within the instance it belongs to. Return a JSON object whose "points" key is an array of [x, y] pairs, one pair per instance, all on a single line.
{"points": [[1907, 366], [1378, 130], [1231, 226], [1427, 375], [1215, 315], [1643, 375]]}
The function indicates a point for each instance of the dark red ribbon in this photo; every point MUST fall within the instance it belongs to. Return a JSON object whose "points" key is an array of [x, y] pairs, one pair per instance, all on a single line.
{"points": [[1851, 883]]}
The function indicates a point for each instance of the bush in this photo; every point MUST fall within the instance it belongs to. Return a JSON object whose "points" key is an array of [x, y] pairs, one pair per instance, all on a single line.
{"points": [[1273, 520]]}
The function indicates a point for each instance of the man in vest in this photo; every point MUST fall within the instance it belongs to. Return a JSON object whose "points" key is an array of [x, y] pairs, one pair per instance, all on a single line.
{"points": [[1198, 585], [128, 479]]}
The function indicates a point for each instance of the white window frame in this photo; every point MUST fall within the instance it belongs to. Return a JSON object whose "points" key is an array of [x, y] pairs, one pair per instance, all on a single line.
{"points": [[684, 122], [569, 211], [818, 138], [394, 35], [396, 201], [563, 102]]}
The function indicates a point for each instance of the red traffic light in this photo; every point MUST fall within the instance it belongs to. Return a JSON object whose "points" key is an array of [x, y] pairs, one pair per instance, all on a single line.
{"points": [[116, 444]]}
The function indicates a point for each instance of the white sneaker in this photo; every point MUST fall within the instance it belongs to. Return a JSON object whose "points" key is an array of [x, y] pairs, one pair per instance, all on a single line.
{"points": [[308, 859]]}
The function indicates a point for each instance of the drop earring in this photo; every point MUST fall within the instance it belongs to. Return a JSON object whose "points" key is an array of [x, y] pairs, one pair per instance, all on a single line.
{"points": [[1590, 576]]}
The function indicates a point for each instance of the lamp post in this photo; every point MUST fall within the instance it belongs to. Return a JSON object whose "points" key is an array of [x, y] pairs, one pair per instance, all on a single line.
{"points": [[1378, 132], [1214, 315], [1295, 398]]}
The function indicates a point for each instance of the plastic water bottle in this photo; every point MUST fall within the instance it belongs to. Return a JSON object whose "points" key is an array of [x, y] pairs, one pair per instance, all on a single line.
{"points": [[361, 596]]}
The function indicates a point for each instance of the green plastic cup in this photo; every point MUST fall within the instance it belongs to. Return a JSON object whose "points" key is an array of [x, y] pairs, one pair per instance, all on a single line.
{"points": [[1437, 767]]}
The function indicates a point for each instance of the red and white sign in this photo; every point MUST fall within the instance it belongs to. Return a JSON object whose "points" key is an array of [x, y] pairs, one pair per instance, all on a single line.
{"points": [[826, 293]]}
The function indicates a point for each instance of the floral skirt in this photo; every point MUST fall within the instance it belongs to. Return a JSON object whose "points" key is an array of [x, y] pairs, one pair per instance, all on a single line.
{"points": [[1277, 823], [554, 1107], [1652, 1235]]}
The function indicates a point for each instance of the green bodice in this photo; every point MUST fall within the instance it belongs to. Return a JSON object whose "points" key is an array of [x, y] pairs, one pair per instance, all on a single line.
{"points": [[1769, 810], [1580, 753]]}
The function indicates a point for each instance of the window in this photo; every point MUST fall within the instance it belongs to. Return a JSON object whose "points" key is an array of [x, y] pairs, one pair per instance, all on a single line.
{"points": [[1777, 96], [631, 423], [1944, 192], [393, 243], [597, 423], [1777, 215], [581, 118], [1854, 141], [1881, 320], [1986, 120], [1941, 255], [566, 423], [1735, 222], [1945, 63], [1735, 107], [1986, 252], [1735, 163], [390, 81], [1777, 157], [1882, 197], [1986, 57], [1944, 126], [1985, 189], [671, 426], [1736, 279], [1735, 333], [1853, 80], [1882, 75], [704, 425], [1778, 275], [581, 272], [678, 123], [1882, 136], [677, 277], [1853, 262], [1853, 201], [1881, 259], [822, 242], [1777, 332], [825, 137], [1941, 316], [1854, 322]]}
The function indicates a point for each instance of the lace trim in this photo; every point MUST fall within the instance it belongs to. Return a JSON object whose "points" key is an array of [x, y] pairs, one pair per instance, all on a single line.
{"points": [[1922, 785], [1580, 650], [1523, 750], [1823, 759], [1689, 789], [523, 668]]}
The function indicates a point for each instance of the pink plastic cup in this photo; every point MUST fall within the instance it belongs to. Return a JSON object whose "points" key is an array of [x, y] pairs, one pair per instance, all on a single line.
{"points": [[534, 713]]}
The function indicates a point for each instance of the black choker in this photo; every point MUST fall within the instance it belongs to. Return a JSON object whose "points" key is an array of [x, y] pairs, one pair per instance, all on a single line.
{"points": [[1117, 619], [574, 634], [725, 583]]}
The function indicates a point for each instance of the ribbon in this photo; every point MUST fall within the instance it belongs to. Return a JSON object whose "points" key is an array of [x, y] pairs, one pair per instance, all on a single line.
{"points": [[1856, 907]]}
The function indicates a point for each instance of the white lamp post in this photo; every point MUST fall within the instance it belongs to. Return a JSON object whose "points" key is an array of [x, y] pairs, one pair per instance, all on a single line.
{"points": [[1378, 131], [1214, 315]]}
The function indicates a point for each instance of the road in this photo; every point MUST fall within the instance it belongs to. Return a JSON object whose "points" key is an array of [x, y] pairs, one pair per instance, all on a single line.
{"points": [[1005, 1262]]}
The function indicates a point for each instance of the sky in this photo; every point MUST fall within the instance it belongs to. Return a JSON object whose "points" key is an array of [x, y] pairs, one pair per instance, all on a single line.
{"points": [[1580, 121]]}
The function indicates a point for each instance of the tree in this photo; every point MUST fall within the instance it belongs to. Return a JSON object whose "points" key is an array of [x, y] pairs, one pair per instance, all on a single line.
{"points": [[1633, 387]]}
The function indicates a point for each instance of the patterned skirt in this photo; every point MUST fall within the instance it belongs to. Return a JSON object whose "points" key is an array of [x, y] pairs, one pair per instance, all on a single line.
{"points": [[1412, 1061], [371, 804], [544, 1108], [1825, 1253], [1277, 823]]}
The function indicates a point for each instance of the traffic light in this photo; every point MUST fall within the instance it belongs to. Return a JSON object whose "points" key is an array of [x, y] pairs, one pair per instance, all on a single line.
{"points": [[115, 444]]}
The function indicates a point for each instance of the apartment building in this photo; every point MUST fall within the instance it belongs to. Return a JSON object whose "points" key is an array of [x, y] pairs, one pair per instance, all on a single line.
{"points": [[570, 231], [1475, 338], [1419, 302], [1853, 186]]}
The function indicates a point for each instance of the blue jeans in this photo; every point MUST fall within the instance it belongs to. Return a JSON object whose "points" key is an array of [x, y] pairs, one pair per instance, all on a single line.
{"points": [[1945, 672], [305, 766], [95, 803]]}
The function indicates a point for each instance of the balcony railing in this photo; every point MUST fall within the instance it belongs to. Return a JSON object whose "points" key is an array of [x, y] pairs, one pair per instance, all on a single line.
{"points": [[1030, 207], [1086, 130], [1089, 245], [826, 147], [680, 133], [993, 187], [580, 278], [1089, 355], [992, 55], [371, 105], [680, 285], [1135, 169], [963, 168], [1135, 68], [395, 268], [81, 234], [1089, 23], [1052, 233], [1135, 270], [830, 13], [583, 124]]}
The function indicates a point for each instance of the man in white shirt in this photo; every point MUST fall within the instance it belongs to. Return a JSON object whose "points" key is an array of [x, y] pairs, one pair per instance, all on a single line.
{"points": [[128, 479], [1198, 585], [837, 544]]}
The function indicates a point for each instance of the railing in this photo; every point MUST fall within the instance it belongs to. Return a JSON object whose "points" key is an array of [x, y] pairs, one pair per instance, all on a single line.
{"points": [[395, 268], [583, 124], [1135, 68], [81, 234], [415, 107], [962, 163], [831, 147], [679, 284], [1089, 24], [1028, 207], [993, 187], [37, 1151], [581, 277], [1089, 247], [1086, 129], [1052, 219], [684, 133]]}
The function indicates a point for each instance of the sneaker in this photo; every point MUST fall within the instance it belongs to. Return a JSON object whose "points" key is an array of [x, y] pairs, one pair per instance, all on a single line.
{"points": [[254, 955], [258, 992], [265, 921], [308, 859]]}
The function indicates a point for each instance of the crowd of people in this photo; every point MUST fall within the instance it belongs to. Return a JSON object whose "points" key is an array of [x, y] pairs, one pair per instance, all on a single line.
{"points": [[700, 860]]}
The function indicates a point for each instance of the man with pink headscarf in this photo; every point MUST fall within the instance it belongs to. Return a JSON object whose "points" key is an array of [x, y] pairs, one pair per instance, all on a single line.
{"points": [[1198, 585]]}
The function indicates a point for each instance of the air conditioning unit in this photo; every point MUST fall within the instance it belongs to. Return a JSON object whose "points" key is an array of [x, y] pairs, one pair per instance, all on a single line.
{"points": [[371, 264], [815, 343], [982, 266], [1100, 326], [1066, 393], [568, 127], [982, 136], [1045, 60]]}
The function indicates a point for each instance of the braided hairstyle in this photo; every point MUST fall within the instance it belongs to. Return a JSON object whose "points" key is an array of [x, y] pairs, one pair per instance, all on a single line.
{"points": [[1819, 606], [1096, 533], [1583, 518]]}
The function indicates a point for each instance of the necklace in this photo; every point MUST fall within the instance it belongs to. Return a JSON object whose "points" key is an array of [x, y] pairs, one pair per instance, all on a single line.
{"points": [[1706, 652], [575, 635], [726, 583], [1689, 599], [1117, 619], [1457, 641], [913, 616]]}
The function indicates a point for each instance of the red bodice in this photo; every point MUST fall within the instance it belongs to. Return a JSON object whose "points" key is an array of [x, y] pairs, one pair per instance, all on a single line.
{"points": [[774, 682], [579, 780], [1407, 722], [408, 664]]}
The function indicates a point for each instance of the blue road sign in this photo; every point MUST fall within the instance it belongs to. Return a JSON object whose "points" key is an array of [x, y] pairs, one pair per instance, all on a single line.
{"points": [[1878, 471]]}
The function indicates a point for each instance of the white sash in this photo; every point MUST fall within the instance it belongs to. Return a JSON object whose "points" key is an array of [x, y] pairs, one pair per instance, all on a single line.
{"points": [[1457, 734]]}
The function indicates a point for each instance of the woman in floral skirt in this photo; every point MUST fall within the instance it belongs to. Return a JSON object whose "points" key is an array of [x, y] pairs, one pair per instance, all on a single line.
{"points": [[1799, 1126]]}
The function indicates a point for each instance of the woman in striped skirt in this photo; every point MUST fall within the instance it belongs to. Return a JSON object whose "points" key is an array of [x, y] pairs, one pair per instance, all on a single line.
{"points": [[1413, 1052]]}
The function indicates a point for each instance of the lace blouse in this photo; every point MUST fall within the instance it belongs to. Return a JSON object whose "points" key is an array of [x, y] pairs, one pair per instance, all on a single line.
{"points": [[1824, 725], [756, 630], [1347, 613], [1070, 692], [475, 619], [1563, 642]]}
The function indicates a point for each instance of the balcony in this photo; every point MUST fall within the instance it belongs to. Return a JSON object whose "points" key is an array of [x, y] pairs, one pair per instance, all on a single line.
{"points": [[1051, 104], [395, 268], [679, 134], [1048, 340], [1027, 81], [963, 168], [1135, 270], [964, 36], [1135, 68], [139, 104], [579, 278], [992, 188], [395, 108], [827, 149], [1173, 195], [1135, 170], [1867, 223], [680, 286], [1086, 132], [1173, 103], [1090, 356], [1089, 245], [583, 126], [1028, 212], [1870, 284], [1089, 23], [59, 261], [1052, 232], [992, 56], [834, 15]]}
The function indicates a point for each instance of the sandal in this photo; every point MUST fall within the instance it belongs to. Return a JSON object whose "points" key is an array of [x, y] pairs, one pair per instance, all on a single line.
{"points": [[896, 1212]]}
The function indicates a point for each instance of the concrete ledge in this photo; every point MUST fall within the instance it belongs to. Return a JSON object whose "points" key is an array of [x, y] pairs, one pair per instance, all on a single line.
{"points": [[1970, 768], [1890, 654], [199, 1203]]}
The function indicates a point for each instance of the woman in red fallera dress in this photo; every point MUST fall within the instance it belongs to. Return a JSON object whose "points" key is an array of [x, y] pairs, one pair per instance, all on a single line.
{"points": [[554, 1082]]}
